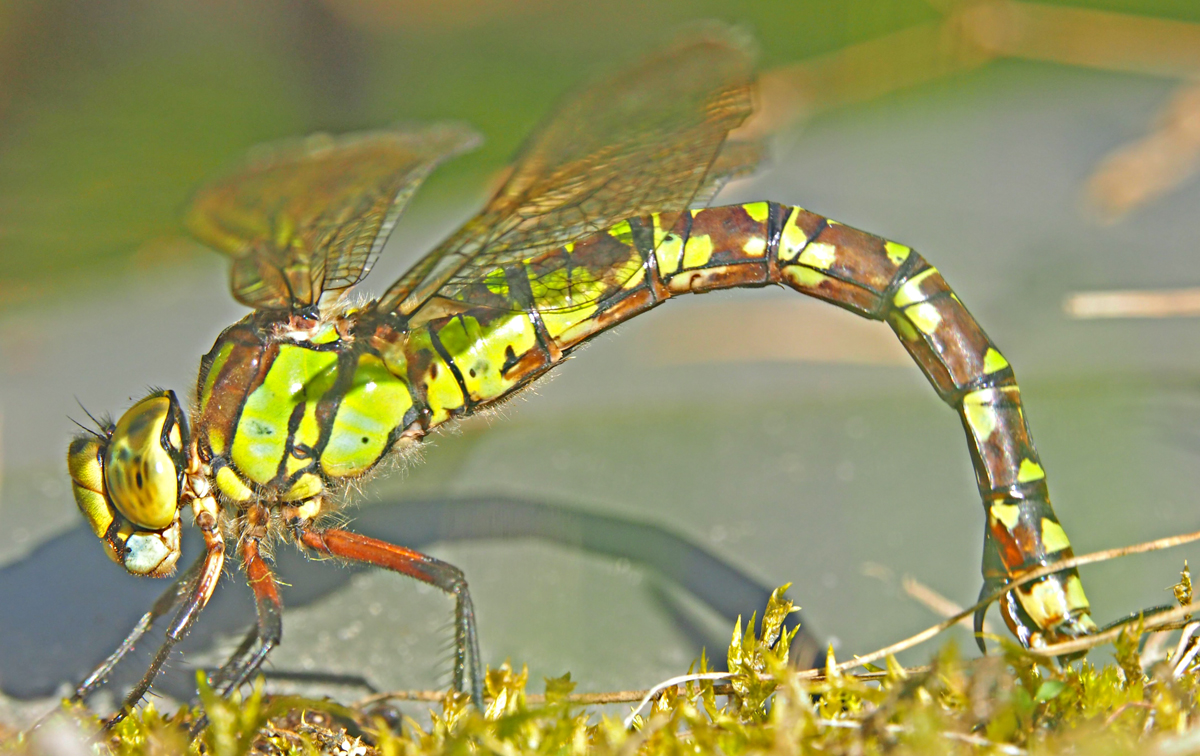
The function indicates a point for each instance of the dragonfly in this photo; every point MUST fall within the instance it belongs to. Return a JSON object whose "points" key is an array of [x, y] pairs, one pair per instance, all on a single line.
{"points": [[603, 216]]}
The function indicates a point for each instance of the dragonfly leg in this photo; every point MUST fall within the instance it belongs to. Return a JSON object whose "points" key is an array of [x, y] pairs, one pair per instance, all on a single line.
{"points": [[468, 675], [236, 660], [222, 676], [181, 587], [268, 629], [205, 581]]}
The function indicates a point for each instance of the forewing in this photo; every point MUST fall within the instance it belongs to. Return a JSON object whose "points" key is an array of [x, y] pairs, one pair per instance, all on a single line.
{"points": [[642, 140], [309, 216], [735, 160]]}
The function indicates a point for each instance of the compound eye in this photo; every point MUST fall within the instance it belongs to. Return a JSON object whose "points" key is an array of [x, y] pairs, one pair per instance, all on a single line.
{"points": [[140, 473], [86, 464]]}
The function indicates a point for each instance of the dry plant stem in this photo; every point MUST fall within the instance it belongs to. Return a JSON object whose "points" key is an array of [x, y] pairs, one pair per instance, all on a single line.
{"points": [[975, 740], [434, 696], [657, 689], [1153, 166], [1186, 650], [1124, 708], [1184, 662], [1097, 39], [1133, 303], [1059, 649], [896, 729], [591, 699], [1101, 556], [721, 689], [936, 602], [967, 36], [1184, 637], [427, 696], [1083, 644]]}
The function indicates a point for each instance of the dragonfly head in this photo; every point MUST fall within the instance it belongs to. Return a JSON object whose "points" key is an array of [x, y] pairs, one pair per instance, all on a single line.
{"points": [[127, 480], [1051, 610]]}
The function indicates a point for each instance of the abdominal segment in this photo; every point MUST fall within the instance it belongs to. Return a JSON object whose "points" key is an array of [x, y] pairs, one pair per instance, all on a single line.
{"points": [[485, 339]]}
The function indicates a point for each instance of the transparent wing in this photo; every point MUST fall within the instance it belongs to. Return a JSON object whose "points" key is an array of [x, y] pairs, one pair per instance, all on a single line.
{"points": [[642, 140], [309, 216], [735, 160]]}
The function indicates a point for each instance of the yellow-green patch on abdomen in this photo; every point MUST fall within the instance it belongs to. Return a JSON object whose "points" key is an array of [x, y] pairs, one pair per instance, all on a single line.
{"points": [[481, 350], [442, 393]]}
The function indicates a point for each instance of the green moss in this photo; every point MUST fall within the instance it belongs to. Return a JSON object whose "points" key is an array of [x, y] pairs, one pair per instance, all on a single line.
{"points": [[1009, 703]]}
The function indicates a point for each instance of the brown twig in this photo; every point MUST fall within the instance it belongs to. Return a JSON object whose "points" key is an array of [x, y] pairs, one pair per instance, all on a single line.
{"points": [[589, 699], [1157, 622], [1133, 303], [936, 602], [1059, 649], [1125, 707]]}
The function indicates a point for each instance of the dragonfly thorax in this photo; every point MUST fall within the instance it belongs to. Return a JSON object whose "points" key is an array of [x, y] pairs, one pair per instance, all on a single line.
{"points": [[291, 410], [128, 481]]}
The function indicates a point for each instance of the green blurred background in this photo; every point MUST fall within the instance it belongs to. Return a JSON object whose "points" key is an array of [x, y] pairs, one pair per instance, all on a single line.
{"points": [[830, 464], [113, 112], [110, 113]]}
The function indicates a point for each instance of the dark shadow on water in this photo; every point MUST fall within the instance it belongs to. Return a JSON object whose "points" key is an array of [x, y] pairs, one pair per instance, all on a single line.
{"points": [[65, 606]]}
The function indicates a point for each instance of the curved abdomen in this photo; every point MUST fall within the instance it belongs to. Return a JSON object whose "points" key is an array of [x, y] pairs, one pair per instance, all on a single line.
{"points": [[485, 341]]}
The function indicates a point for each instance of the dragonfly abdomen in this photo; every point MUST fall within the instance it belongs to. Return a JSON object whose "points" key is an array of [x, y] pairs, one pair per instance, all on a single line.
{"points": [[525, 317]]}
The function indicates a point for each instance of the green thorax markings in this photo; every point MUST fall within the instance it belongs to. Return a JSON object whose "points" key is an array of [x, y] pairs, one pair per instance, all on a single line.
{"points": [[371, 411], [281, 413], [325, 408], [321, 409]]}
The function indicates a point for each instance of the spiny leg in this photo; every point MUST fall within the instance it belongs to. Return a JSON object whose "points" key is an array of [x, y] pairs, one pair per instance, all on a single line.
{"points": [[268, 627], [226, 671], [170, 598], [206, 580], [468, 674], [268, 630], [224, 674], [715, 582]]}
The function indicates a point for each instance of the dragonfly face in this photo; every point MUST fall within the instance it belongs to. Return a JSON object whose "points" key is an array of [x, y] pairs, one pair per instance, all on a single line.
{"points": [[128, 480]]}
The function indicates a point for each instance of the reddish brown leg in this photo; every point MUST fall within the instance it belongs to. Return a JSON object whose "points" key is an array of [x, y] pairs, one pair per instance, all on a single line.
{"points": [[197, 598], [182, 588], [468, 676], [268, 630]]}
